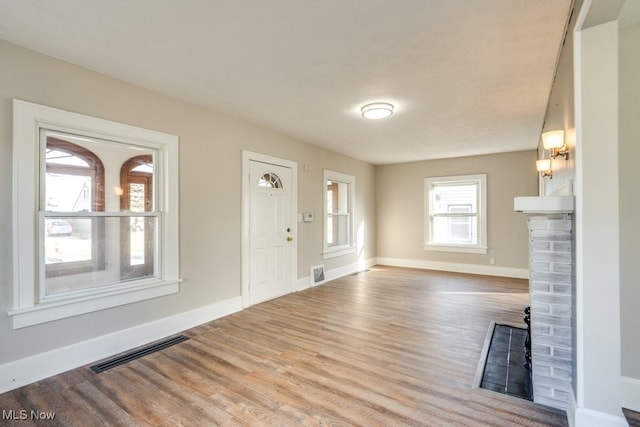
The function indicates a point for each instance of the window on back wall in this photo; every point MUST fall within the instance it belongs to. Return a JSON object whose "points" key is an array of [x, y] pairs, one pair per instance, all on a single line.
{"points": [[455, 214], [96, 222], [338, 217]]}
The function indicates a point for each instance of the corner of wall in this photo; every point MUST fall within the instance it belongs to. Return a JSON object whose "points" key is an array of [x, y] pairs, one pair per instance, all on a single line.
{"points": [[630, 393]]}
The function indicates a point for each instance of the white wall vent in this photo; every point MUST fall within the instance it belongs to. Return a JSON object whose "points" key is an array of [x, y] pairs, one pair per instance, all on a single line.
{"points": [[316, 275]]}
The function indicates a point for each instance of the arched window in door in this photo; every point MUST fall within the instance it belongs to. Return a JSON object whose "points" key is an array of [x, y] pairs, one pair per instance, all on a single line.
{"points": [[74, 182], [137, 250]]}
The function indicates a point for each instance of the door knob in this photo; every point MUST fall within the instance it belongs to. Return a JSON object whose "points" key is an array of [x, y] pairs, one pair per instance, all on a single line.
{"points": [[289, 239]]}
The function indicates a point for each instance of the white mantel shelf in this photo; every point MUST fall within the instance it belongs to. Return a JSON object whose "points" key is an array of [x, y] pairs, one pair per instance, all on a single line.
{"points": [[544, 205]]}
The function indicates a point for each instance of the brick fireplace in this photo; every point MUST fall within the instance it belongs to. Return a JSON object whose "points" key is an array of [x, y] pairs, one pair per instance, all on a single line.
{"points": [[550, 221]]}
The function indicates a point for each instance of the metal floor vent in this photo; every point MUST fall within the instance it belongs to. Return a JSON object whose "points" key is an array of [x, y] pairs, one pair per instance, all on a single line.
{"points": [[135, 354]]}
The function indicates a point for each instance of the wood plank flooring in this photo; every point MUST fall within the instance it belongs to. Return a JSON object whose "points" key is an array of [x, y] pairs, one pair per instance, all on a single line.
{"points": [[386, 347]]}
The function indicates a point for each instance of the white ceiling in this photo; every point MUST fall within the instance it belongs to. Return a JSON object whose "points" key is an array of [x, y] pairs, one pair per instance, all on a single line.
{"points": [[467, 77]]}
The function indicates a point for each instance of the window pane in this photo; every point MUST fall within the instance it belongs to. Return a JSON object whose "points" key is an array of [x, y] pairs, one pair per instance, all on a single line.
{"points": [[71, 262], [136, 184], [338, 215], [136, 197], [67, 240], [337, 230], [455, 230], [446, 196], [68, 193], [337, 197], [137, 242], [270, 180], [58, 157]]}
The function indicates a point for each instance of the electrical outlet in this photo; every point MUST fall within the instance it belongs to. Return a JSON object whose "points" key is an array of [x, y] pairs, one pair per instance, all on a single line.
{"points": [[492, 261]]}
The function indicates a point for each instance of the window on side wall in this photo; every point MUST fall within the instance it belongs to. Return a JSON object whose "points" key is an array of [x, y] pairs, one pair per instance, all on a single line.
{"points": [[455, 214], [338, 214], [95, 223]]}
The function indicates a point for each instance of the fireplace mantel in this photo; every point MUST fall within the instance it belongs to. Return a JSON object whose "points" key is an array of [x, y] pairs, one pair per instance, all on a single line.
{"points": [[544, 205]]}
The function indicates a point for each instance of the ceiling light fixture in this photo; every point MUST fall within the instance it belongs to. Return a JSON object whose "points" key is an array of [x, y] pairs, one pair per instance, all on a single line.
{"points": [[377, 110]]}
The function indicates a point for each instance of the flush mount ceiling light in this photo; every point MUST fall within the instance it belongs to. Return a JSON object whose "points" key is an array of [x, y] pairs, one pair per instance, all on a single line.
{"points": [[377, 110]]}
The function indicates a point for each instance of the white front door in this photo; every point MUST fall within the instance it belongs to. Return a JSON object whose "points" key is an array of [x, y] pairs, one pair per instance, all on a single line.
{"points": [[271, 232]]}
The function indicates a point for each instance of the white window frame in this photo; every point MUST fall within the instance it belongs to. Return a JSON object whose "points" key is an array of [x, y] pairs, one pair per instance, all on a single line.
{"points": [[28, 309], [350, 248], [481, 246]]}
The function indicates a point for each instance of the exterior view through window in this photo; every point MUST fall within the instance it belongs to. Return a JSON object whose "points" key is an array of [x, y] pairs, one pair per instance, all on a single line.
{"points": [[96, 220], [455, 213], [338, 219], [74, 182], [81, 237]]}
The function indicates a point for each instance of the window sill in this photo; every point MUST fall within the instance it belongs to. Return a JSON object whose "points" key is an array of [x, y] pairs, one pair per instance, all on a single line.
{"points": [[47, 312], [459, 249], [340, 251]]}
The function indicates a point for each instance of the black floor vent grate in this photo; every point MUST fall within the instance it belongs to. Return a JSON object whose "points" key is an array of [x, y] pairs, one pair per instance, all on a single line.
{"points": [[135, 354], [504, 370]]}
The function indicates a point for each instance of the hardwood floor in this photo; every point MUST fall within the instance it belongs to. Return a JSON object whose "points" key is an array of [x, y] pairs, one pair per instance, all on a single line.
{"points": [[632, 417], [385, 347]]}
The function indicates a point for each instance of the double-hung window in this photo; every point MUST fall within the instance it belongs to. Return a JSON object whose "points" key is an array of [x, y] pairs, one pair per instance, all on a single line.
{"points": [[338, 217], [455, 214], [95, 214]]}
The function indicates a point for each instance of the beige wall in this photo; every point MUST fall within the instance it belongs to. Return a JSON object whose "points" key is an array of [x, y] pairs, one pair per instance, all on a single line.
{"points": [[629, 177], [210, 192], [400, 206]]}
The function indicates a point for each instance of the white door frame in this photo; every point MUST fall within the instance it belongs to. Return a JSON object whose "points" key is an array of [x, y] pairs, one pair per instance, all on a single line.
{"points": [[247, 157]]}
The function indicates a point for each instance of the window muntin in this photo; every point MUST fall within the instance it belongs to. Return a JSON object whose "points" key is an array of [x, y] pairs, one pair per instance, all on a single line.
{"points": [[455, 217], [338, 214], [39, 296]]}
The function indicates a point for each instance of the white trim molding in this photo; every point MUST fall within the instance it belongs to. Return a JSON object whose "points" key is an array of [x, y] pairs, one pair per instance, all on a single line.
{"points": [[43, 313], [37, 367], [431, 213], [591, 418], [485, 270], [631, 393]]}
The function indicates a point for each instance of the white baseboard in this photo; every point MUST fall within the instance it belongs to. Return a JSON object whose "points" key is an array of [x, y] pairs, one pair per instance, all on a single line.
{"points": [[584, 417], [37, 367], [303, 282], [631, 393], [590, 418], [486, 270]]}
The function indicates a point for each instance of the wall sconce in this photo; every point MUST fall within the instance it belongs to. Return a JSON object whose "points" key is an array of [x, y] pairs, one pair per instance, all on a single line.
{"points": [[554, 142], [544, 167]]}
